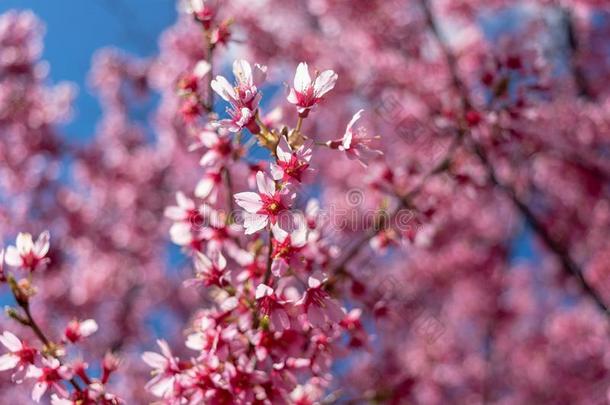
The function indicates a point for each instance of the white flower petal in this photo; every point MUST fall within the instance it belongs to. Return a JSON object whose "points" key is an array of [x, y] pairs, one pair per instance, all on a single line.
{"points": [[254, 222], [249, 201], [302, 80], [88, 327], [278, 233], [11, 341], [38, 391], [265, 184], [175, 213], [180, 233], [263, 290], [283, 150], [8, 361], [204, 187], [155, 360], [12, 257], [324, 83], [314, 282], [224, 89], [201, 69], [292, 97], [41, 248], [24, 243], [243, 72]]}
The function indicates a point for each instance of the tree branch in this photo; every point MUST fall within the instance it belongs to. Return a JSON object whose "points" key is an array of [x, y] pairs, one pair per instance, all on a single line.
{"points": [[568, 264]]}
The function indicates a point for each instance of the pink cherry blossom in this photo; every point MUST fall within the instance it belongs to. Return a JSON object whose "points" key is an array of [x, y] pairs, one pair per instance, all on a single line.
{"points": [[317, 304], [264, 207], [286, 246], [219, 148], [244, 93], [77, 330], [27, 254], [291, 165], [211, 272], [272, 307], [191, 82], [355, 142], [184, 211], [243, 97], [165, 368], [240, 118], [306, 93], [207, 188], [20, 355], [201, 10], [48, 376], [508, 306]]}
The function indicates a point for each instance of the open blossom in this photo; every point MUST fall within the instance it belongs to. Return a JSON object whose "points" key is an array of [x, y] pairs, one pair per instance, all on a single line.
{"points": [[190, 109], [287, 245], [355, 142], [166, 368], [291, 165], [207, 188], [187, 221], [76, 330], [218, 145], [201, 10], [240, 117], [50, 375], [244, 93], [20, 355], [272, 307], [221, 34], [184, 210], [243, 97], [265, 206], [352, 323], [318, 305], [190, 82], [306, 93], [27, 254], [211, 272]]}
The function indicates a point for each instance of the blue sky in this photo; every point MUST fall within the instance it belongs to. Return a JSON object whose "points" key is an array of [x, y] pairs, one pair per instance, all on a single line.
{"points": [[75, 29]]}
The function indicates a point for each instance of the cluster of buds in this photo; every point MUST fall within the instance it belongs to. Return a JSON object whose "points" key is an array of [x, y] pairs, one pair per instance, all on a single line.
{"points": [[46, 365]]}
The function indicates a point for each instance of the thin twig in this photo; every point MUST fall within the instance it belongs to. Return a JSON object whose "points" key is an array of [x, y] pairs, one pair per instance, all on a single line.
{"points": [[42, 337], [406, 202], [269, 258]]}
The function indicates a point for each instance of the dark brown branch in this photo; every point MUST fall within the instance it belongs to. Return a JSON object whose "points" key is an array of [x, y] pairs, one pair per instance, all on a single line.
{"points": [[580, 78]]}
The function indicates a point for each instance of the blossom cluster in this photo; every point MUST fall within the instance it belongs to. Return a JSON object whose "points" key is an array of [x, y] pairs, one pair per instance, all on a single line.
{"points": [[45, 364], [274, 327], [462, 146]]}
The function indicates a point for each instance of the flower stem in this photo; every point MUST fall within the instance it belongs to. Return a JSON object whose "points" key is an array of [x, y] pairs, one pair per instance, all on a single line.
{"points": [[43, 338], [269, 259]]}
